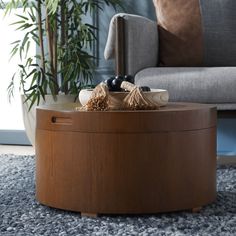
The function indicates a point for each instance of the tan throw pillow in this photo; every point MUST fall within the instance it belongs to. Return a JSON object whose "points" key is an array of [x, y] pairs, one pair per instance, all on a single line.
{"points": [[180, 32]]}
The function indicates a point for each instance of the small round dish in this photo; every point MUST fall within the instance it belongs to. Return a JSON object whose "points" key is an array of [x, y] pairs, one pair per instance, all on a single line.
{"points": [[158, 96]]}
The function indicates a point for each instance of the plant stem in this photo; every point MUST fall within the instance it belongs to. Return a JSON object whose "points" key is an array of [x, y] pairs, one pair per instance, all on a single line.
{"points": [[63, 19], [49, 39], [51, 48], [64, 35], [55, 50], [40, 31]]}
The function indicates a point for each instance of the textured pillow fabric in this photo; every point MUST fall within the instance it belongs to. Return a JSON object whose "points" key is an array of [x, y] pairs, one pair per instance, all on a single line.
{"points": [[196, 32], [180, 32]]}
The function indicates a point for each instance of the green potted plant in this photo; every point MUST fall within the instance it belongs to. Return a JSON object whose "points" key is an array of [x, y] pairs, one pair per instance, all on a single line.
{"points": [[64, 62]]}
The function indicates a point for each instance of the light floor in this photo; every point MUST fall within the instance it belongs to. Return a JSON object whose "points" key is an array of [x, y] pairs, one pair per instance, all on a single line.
{"points": [[17, 150], [29, 150]]}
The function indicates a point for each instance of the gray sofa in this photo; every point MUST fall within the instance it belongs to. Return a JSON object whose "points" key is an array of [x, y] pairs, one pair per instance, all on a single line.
{"points": [[138, 55]]}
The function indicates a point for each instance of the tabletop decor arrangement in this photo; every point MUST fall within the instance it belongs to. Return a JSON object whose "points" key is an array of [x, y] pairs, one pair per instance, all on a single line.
{"points": [[120, 93]]}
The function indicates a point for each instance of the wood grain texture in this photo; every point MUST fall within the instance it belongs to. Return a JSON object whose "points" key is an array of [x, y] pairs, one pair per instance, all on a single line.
{"points": [[126, 162]]}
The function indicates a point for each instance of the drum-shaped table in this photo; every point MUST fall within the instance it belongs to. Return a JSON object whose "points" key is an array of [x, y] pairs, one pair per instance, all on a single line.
{"points": [[127, 162]]}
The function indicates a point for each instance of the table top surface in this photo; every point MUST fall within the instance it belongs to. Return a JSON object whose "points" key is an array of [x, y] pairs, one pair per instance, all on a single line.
{"points": [[173, 117], [170, 107]]}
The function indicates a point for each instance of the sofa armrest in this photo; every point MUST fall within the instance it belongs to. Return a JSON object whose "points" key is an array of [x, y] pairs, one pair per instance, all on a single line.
{"points": [[140, 43]]}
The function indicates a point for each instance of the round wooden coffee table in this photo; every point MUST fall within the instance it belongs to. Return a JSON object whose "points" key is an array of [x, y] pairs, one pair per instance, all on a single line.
{"points": [[127, 162]]}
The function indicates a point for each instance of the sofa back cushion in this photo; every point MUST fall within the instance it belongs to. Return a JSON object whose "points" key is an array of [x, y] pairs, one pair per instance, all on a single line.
{"points": [[196, 32]]}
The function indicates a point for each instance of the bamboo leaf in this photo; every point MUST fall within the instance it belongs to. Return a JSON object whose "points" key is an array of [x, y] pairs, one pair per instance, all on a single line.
{"points": [[36, 40], [42, 92], [32, 14], [23, 68], [32, 72], [34, 98], [28, 96], [27, 49], [52, 6], [23, 17], [35, 64], [26, 38], [11, 87], [17, 41], [24, 26], [31, 88], [18, 22], [33, 79], [14, 51], [38, 77]]}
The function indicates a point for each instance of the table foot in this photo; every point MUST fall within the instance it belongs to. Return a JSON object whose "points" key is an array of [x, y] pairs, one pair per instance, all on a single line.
{"points": [[91, 215], [196, 209]]}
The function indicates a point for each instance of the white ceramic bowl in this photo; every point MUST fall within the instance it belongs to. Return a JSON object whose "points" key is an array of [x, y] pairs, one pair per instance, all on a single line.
{"points": [[158, 96]]}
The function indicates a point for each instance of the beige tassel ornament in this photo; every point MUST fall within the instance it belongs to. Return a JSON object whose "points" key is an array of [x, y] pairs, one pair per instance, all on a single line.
{"points": [[102, 100], [99, 100], [136, 99]]}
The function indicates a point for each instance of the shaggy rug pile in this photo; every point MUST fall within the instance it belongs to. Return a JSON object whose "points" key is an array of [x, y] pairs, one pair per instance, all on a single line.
{"points": [[21, 214]]}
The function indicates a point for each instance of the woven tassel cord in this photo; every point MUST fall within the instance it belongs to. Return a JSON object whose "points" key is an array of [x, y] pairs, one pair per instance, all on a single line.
{"points": [[99, 100], [136, 99]]}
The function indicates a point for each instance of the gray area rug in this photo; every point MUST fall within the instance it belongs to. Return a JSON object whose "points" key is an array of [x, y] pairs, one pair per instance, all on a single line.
{"points": [[20, 214]]}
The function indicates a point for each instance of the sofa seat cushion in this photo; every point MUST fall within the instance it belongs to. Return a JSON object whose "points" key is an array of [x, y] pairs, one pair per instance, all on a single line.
{"points": [[213, 85], [197, 32]]}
